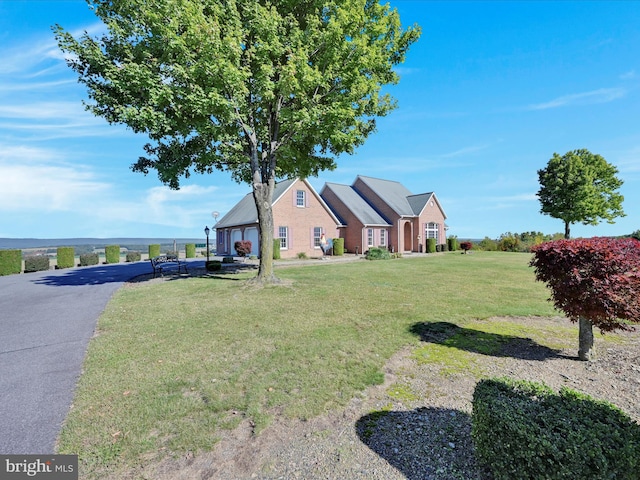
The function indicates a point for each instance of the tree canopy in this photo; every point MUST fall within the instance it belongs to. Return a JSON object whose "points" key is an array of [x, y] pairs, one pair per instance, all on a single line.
{"points": [[580, 187], [263, 89]]}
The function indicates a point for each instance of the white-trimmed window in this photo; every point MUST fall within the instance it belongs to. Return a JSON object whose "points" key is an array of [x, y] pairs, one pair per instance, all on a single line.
{"points": [[370, 237], [431, 231], [317, 233], [283, 235], [383, 238], [301, 198]]}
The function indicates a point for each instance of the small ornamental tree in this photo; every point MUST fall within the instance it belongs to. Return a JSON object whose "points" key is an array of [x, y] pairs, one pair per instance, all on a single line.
{"points": [[594, 281], [243, 247], [466, 246]]}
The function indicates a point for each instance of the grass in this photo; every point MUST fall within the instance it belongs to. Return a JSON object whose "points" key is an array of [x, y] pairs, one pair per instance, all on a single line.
{"points": [[175, 363]]}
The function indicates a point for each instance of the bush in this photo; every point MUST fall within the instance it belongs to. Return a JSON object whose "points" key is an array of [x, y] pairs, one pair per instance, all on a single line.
{"points": [[36, 263], [242, 247], [213, 265], [190, 250], [10, 262], [133, 256], [377, 253], [112, 254], [154, 250], [488, 245], [466, 246], [431, 245], [87, 259], [444, 247], [65, 257], [227, 260], [276, 249], [524, 430], [338, 246], [593, 278], [302, 256], [452, 242]]}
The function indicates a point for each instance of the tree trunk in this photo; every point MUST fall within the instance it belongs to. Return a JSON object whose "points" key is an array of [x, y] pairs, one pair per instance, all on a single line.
{"points": [[567, 230], [263, 197], [587, 351]]}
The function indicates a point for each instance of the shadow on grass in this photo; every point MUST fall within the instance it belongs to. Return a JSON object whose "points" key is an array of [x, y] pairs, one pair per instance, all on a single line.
{"points": [[477, 341], [425, 443]]}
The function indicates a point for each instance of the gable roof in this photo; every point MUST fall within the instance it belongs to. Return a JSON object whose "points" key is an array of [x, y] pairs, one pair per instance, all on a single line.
{"points": [[245, 213], [364, 212], [419, 201], [390, 192]]}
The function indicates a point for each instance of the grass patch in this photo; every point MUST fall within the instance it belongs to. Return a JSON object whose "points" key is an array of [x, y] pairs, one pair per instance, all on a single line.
{"points": [[176, 362]]}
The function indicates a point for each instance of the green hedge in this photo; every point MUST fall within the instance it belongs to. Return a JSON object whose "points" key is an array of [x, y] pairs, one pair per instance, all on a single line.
{"points": [[66, 257], [87, 259], [452, 242], [154, 250], [524, 430], [10, 262], [36, 263], [276, 249], [338, 246], [134, 256], [213, 265], [190, 250], [376, 253], [112, 254], [431, 245]]}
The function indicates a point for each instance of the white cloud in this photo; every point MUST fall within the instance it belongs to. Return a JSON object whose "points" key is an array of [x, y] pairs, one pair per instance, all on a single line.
{"points": [[602, 95], [630, 75]]}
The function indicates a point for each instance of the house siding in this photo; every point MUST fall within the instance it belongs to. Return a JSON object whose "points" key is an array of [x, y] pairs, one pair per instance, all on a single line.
{"points": [[301, 221]]}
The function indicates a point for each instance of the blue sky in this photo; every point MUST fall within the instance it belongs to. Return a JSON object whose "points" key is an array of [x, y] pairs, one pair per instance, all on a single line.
{"points": [[487, 95]]}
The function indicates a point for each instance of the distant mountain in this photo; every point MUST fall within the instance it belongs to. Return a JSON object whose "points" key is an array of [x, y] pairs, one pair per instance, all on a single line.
{"points": [[24, 243]]}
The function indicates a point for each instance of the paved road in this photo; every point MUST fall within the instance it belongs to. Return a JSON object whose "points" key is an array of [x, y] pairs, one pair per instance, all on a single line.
{"points": [[46, 321]]}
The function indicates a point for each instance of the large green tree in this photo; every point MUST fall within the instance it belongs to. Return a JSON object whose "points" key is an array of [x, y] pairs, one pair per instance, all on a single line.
{"points": [[580, 187], [263, 89]]}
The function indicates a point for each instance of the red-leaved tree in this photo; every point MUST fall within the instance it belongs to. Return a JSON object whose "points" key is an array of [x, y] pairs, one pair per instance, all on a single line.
{"points": [[466, 246], [594, 281], [243, 247]]}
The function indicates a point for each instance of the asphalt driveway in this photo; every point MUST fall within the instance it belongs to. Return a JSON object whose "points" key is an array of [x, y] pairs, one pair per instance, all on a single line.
{"points": [[46, 321]]}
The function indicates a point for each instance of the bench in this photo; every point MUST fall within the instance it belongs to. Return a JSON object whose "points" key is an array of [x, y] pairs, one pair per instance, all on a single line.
{"points": [[162, 262]]}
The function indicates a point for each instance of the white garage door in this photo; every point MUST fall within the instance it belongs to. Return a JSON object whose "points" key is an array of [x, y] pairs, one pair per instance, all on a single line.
{"points": [[236, 236], [251, 234]]}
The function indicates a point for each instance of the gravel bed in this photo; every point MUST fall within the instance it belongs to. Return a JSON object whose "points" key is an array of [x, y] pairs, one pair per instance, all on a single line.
{"points": [[424, 436]]}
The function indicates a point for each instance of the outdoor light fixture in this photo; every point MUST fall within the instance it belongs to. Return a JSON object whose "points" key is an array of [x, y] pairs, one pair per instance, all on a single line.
{"points": [[206, 232]]}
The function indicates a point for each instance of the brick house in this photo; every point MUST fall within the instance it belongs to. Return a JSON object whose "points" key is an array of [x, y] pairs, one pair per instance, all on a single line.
{"points": [[300, 217], [380, 212], [370, 212]]}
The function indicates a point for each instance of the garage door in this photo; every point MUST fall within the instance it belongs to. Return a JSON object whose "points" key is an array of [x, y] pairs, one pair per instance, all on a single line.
{"points": [[251, 234]]}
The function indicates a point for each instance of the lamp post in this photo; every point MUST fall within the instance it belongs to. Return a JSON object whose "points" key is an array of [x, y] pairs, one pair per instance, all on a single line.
{"points": [[206, 232]]}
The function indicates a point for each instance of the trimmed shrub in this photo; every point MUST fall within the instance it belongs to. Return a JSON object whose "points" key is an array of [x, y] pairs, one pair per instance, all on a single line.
{"points": [[242, 247], [10, 262], [431, 245], [87, 259], [302, 256], [154, 250], [133, 256], [524, 430], [213, 265], [338, 246], [66, 257], [593, 278], [227, 260], [377, 253], [112, 254], [444, 247], [452, 242], [276, 249], [190, 250], [466, 246], [36, 263]]}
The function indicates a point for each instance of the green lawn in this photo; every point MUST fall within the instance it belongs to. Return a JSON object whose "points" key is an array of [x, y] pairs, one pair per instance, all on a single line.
{"points": [[174, 363]]}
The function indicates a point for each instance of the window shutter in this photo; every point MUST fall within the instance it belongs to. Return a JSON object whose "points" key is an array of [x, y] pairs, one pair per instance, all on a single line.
{"points": [[289, 238], [306, 199]]}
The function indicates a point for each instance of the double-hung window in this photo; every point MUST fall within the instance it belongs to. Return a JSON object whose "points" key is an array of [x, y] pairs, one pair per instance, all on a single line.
{"points": [[370, 237], [301, 198], [283, 234], [383, 238], [317, 233], [431, 231]]}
